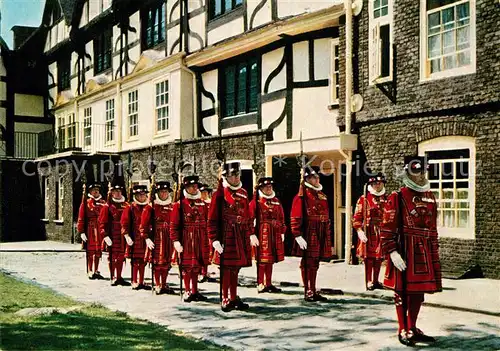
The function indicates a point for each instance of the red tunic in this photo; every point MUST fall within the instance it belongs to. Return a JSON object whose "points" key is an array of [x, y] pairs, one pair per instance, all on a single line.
{"points": [[193, 238], [236, 223], [319, 243], [91, 212], [272, 225], [115, 209], [419, 214], [370, 209], [161, 238], [132, 214]]}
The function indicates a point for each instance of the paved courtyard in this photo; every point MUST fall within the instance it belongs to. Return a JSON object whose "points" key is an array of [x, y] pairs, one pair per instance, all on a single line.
{"points": [[277, 322]]}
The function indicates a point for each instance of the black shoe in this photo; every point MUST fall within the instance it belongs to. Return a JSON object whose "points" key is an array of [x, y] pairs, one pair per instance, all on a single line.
{"points": [[92, 277], [144, 287], [168, 291], [273, 289], [318, 297], [199, 297], [211, 280], [188, 297], [240, 305], [309, 297], [115, 283], [378, 286], [136, 287], [419, 336], [227, 306], [122, 282], [370, 286], [203, 279], [405, 339], [98, 276], [262, 289]]}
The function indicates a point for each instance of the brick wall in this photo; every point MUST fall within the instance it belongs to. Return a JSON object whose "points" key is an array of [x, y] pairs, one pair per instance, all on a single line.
{"points": [[412, 95], [382, 151]]}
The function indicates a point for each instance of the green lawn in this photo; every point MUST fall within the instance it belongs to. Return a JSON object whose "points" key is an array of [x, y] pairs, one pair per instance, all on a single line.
{"points": [[93, 327]]}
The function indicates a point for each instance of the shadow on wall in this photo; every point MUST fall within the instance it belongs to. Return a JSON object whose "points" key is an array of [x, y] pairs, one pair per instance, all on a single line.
{"points": [[22, 204]]}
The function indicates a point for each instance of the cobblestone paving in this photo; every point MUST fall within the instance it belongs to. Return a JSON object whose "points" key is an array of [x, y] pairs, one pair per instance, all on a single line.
{"points": [[274, 322]]}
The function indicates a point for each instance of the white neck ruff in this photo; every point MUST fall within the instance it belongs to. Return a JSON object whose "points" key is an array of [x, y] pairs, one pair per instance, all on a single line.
{"points": [[208, 201], [161, 202], [268, 197], [414, 186], [118, 201], [191, 197], [140, 203], [232, 187], [310, 186], [95, 198], [375, 193]]}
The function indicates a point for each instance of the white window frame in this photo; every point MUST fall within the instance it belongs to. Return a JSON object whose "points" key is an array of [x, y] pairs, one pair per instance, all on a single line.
{"points": [[375, 46], [109, 122], [334, 77], [71, 129], [133, 113], [87, 125], [160, 106], [46, 180], [457, 71], [456, 143], [60, 198]]}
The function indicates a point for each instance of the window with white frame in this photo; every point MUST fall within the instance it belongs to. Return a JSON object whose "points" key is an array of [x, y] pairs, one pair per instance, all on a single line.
{"points": [[59, 198], [452, 179], [448, 42], [71, 131], [87, 126], [110, 120], [133, 113], [61, 132], [162, 106], [334, 73], [380, 41]]}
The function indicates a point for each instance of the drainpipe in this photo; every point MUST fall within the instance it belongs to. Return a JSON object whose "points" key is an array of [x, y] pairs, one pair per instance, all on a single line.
{"points": [[195, 100], [119, 114], [348, 94]]}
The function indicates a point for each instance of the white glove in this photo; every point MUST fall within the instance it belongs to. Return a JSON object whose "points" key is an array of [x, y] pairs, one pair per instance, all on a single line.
{"points": [[178, 247], [302, 243], [84, 237], [218, 247], [283, 237], [398, 261], [108, 241], [150, 244], [253, 240], [129, 240], [362, 236]]}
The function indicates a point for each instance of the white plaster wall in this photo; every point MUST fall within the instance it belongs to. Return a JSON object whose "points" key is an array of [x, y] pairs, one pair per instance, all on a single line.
{"points": [[271, 111], [263, 16], [211, 124], [225, 31], [177, 12], [322, 57], [311, 114], [28, 105], [186, 105], [197, 25], [74, 70], [241, 129], [301, 61], [135, 22], [297, 7], [270, 61], [135, 55], [172, 36], [195, 4], [210, 81]]}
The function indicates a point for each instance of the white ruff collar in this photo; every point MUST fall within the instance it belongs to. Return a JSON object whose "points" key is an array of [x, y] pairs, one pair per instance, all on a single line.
{"points": [[140, 203], [208, 201], [261, 194], [158, 201], [414, 186], [317, 188], [375, 193], [232, 187], [191, 197], [118, 201], [95, 198]]}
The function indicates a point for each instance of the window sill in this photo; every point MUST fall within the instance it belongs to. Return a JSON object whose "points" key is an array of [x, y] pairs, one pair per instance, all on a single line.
{"points": [[225, 18], [133, 138], [456, 233], [58, 221], [161, 134], [45, 220], [449, 74], [381, 81]]}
